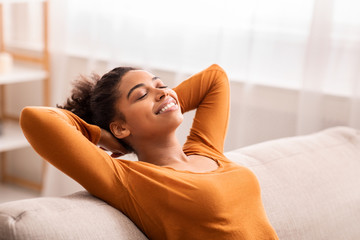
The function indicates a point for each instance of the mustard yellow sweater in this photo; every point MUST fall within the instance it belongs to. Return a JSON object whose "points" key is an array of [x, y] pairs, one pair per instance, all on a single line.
{"points": [[163, 202]]}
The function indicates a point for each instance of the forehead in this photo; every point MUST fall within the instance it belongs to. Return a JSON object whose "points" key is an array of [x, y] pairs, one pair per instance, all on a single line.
{"points": [[134, 77]]}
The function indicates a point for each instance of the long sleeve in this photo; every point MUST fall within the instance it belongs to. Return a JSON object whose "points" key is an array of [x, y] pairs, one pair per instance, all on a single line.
{"points": [[207, 92], [69, 143]]}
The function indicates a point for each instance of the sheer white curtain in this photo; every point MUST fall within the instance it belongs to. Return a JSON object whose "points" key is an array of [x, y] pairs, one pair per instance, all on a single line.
{"points": [[293, 65]]}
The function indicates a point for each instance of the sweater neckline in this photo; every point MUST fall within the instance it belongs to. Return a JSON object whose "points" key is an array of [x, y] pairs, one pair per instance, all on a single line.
{"points": [[219, 163]]}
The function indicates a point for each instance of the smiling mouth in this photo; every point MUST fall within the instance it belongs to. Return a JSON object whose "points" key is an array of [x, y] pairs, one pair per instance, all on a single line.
{"points": [[169, 105]]}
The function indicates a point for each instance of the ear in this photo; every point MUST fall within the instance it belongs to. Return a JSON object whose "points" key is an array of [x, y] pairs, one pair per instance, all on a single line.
{"points": [[119, 129]]}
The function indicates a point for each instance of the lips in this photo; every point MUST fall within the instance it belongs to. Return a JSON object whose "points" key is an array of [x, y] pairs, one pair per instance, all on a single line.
{"points": [[167, 104]]}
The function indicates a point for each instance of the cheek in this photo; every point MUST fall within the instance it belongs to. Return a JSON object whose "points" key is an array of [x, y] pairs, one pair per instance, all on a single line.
{"points": [[173, 94], [139, 115]]}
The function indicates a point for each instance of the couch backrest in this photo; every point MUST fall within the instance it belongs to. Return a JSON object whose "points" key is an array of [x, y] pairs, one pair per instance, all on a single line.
{"points": [[310, 184], [310, 188], [75, 217]]}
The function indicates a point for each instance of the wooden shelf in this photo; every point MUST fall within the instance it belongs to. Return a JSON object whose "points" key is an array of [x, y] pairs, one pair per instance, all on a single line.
{"points": [[32, 69], [11, 137], [23, 74]]}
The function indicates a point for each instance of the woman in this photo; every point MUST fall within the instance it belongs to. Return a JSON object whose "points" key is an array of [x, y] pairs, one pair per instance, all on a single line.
{"points": [[173, 191]]}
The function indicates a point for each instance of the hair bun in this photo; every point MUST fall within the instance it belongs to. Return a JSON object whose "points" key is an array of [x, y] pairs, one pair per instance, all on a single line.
{"points": [[80, 100]]}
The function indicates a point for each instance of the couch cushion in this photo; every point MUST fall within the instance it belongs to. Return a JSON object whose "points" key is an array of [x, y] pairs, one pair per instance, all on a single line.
{"points": [[310, 184], [78, 216]]}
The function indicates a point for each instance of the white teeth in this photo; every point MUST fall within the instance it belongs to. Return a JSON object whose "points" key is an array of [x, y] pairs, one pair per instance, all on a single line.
{"points": [[166, 107]]}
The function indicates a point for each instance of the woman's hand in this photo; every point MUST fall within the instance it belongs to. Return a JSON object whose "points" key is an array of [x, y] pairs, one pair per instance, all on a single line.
{"points": [[108, 142]]}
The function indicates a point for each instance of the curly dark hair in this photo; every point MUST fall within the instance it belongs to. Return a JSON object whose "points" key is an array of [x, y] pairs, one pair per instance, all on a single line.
{"points": [[93, 98]]}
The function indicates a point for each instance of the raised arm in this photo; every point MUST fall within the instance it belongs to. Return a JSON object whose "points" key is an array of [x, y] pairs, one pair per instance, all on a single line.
{"points": [[208, 92], [69, 143]]}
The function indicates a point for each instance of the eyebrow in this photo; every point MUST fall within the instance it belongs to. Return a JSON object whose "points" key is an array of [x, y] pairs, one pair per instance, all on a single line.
{"points": [[139, 85]]}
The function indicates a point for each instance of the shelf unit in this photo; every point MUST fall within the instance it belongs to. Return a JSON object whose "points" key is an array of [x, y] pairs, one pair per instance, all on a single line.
{"points": [[12, 137]]}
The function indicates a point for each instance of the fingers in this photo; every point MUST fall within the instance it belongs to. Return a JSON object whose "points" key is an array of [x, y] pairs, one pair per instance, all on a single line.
{"points": [[116, 155]]}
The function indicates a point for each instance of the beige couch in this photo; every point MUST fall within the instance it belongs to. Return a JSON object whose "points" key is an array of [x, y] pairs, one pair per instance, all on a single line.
{"points": [[310, 188]]}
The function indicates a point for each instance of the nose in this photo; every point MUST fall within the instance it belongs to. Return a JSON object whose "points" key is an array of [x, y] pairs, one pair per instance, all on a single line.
{"points": [[161, 93]]}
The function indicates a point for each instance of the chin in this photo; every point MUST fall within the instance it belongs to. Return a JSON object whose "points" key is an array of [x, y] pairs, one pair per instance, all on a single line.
{"points": [[174, 122], [180, 117]]}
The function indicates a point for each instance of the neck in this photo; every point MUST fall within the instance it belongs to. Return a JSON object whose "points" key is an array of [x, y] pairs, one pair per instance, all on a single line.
{"points": [[163, 151]]}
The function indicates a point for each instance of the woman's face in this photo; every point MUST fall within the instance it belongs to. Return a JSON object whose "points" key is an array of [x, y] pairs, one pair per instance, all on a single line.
{"points": [[150, 108]]}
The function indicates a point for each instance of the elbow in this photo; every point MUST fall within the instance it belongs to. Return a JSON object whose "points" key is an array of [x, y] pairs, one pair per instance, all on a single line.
{"points": [[222, 76], [30, 118], [25, 115], [27, 118], [33, 122], [217, 67], [221, 79]]}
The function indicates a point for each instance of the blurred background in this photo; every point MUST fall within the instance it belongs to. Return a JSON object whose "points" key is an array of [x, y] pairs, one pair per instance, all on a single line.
{"points": [[293, 65]]}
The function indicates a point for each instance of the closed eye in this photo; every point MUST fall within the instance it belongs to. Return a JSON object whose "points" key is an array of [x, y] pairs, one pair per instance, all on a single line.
{"points": [[142, 96]]}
